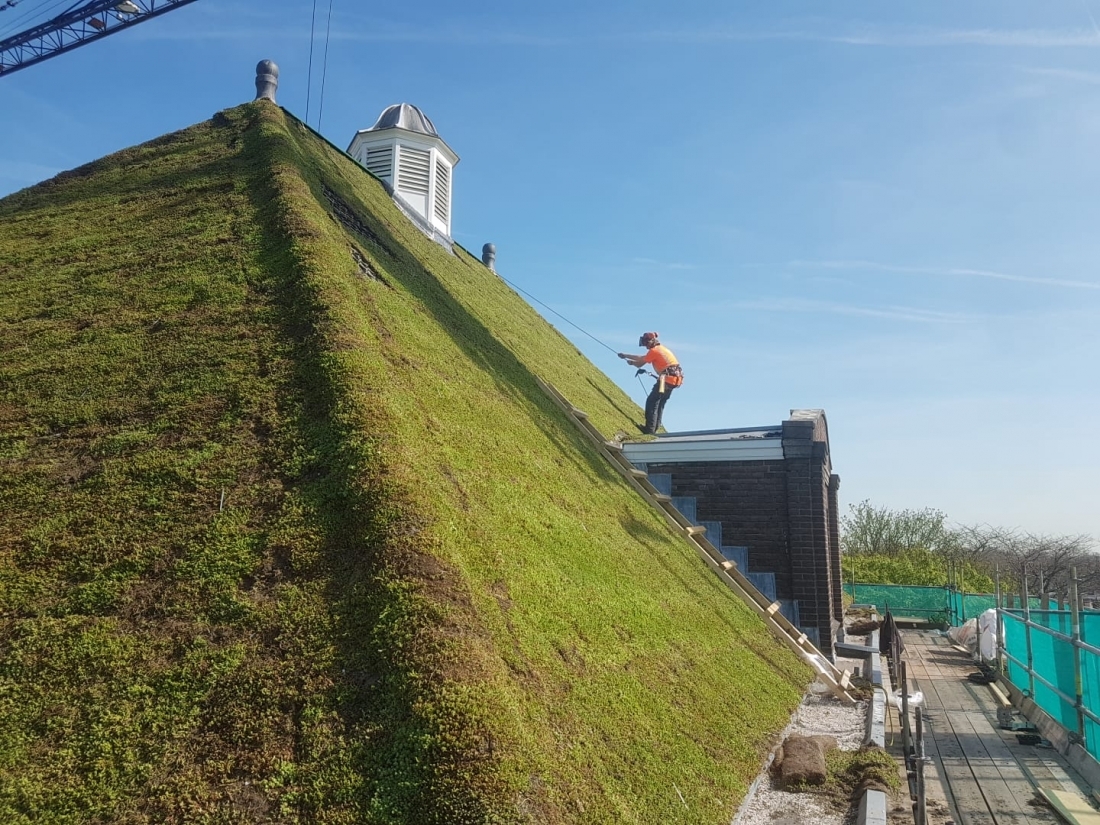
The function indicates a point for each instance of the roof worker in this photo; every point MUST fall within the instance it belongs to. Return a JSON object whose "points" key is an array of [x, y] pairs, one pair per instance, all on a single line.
{"points": [[668, 373]]}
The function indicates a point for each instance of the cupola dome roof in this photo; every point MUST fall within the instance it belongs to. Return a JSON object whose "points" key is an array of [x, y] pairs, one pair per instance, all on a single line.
{"points": [[404, 116]]}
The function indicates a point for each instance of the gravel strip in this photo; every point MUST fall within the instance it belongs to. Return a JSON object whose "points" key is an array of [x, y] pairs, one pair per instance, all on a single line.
{"points": [[819, 713]]}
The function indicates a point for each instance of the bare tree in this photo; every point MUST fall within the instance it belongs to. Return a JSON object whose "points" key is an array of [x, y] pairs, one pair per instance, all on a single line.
{"points": [[1045, 560], [979, 544]]}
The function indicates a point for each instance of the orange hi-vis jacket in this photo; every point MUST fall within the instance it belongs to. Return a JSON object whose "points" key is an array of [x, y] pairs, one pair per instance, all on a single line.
{"points": [[661, 358]]}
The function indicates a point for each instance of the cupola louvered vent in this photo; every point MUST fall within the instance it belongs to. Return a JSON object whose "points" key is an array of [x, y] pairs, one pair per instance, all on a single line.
{"points": [[413, 170], [416, 166], [442, 190], [379, 160]]}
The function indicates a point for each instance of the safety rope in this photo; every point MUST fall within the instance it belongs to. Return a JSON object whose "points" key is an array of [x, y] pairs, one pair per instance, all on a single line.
{"points": [[518, 288], [540, 303]]}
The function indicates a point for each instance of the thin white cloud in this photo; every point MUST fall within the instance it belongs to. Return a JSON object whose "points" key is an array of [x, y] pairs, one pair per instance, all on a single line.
{"points": [[895, 38], [892, 313], [1076, 75], [353, 27], [650, 262], [1019, 38], [949, 272], [1088, 11], [355, 31], [860, 36], [829, 280]]}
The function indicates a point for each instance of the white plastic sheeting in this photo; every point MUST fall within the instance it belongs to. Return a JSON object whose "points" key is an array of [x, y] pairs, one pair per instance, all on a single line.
{"points": [[979, 635], [987, 635], [965, 635]]}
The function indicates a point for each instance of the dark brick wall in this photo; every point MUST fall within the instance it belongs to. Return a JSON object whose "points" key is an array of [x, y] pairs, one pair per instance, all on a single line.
{"points": [[785, 512], [749, 498], [809, 549], [834, 545]]}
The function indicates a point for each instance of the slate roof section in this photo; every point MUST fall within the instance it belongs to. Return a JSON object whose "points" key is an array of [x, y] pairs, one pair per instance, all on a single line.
{"points": [[736, 444], [729, 434]]}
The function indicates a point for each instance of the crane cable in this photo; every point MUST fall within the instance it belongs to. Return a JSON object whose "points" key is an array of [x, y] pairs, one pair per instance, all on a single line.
{"points": [[17, 22], [309, 71], [324, 68]]}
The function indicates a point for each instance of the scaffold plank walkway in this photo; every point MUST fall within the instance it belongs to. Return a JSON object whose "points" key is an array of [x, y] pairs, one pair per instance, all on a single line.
{"points": [[989, 778]]}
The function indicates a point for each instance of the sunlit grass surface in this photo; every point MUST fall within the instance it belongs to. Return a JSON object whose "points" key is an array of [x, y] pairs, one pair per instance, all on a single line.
{"points": [[284, 540]]}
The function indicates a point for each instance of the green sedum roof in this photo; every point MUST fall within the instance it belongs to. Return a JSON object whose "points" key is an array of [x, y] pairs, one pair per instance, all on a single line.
{"points": [[290, 533]]}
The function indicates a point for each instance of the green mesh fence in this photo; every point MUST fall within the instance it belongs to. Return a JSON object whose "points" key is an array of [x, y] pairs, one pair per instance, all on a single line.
{"points": [[1090, 677], [901, 599], [923, 602], [1015, 642], [965, 606], [1052, 659]]}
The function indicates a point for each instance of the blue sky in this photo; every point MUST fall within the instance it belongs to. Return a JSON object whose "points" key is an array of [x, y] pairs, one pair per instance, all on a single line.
{"points": [[887, 211]]}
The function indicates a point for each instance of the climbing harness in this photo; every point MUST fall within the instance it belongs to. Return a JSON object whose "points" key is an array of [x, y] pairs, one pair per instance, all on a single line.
{"points": [[675, 375]]}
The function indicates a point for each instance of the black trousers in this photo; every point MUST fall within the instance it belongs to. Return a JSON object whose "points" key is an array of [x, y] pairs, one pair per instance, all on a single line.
{"points": [[655, 406]]}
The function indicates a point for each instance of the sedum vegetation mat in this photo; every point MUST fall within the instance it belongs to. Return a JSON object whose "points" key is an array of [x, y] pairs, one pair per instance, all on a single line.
{"points": [[290, 534]]}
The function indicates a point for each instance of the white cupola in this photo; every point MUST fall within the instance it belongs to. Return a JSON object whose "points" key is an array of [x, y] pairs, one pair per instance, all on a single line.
{"points": [[405, 151]]}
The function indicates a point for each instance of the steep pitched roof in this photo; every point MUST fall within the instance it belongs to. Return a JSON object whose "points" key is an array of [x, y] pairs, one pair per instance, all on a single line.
{"points": [[290, 529]]}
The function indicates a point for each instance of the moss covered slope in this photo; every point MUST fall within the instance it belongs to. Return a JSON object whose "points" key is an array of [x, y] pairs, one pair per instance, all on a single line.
{"points": [[290, 533]]}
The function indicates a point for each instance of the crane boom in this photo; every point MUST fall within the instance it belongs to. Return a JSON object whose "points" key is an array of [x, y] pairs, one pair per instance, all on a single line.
{"points": [[78, 25]]}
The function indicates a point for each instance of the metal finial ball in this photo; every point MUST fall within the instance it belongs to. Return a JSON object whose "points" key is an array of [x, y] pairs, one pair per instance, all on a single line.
{"points": [[489, 256], [267, 80]]}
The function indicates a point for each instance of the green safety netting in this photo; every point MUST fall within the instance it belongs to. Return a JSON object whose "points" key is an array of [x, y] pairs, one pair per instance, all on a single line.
{"points": [[1053, 660], [901, 599], [1090, 677], [924, 601], [966, 606]]}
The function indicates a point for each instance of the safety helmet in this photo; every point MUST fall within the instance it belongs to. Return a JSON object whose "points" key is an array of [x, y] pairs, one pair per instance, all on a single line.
{"points": [[648, 339]]}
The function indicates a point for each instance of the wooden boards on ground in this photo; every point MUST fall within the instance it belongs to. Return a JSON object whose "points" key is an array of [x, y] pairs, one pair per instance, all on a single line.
{"points": [[991, 779], [1072, 807]]}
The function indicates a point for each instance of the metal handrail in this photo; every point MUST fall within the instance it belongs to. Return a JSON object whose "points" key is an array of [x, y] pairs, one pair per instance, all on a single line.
{"points": [[1057, 634], [1004, 615], [912, 742], [1065, 697]]}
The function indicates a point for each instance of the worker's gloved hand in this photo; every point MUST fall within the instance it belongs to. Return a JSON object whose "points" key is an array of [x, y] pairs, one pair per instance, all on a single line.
{"points": [[623, 355]]}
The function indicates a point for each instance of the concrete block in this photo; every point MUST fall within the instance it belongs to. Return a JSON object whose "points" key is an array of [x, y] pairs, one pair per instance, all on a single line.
{"points": [[876, 719], [854, 651], [872, 808]]}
